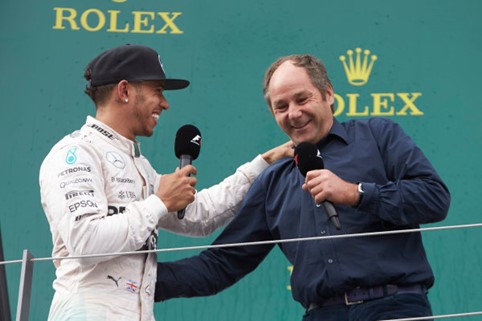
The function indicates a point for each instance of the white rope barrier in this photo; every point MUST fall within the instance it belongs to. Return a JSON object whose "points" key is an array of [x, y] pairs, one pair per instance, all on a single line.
{"points": [[301, 239], [444, 316], [327, 237]]}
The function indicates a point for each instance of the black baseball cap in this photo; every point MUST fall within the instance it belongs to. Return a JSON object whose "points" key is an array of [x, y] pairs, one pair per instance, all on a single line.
{"points": [[132, 63]]}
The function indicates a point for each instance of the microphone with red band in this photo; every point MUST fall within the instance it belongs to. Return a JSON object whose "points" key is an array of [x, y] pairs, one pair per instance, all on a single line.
{"points": [[187, 147], [308, 158]]}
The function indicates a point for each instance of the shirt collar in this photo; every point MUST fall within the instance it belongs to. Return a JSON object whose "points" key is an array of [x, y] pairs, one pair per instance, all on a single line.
{"points": [[336, 131]]}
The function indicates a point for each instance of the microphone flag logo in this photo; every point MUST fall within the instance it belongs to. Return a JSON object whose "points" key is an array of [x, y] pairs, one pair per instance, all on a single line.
{"points": [[196, 140]]}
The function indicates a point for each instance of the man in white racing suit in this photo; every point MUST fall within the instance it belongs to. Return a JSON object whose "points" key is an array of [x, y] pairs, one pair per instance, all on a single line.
{"points": [[100, 195]]}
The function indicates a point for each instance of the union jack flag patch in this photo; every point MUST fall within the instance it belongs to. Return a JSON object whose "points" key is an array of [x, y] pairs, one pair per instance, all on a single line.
{"points": [[132, 286]]}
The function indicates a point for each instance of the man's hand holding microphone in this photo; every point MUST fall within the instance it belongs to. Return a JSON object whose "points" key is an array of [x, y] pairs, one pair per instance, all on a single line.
{"points": [[177, 190]]}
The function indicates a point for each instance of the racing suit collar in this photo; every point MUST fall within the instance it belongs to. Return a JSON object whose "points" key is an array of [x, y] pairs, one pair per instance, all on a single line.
{"points": [[98, 128]]}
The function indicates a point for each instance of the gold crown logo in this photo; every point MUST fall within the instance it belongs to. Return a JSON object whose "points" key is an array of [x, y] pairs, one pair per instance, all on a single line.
{"points": [[358, 71]]}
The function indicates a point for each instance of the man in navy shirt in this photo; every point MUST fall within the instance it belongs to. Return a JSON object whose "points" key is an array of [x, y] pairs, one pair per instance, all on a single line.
{"points": [[377, 179]]}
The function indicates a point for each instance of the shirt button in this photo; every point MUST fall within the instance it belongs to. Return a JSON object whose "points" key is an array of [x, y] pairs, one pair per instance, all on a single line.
{"points": [[330, 261]]}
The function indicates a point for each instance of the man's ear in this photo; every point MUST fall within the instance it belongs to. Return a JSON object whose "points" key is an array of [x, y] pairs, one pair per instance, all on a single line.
{"points": [[330, 96], [122, 91]]}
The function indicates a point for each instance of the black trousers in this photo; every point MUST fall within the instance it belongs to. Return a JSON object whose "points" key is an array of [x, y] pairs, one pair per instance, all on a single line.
{"points": [[390, 307]]}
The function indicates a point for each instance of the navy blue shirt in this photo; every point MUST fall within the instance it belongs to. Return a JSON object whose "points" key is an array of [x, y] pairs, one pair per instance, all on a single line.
{"points": [[402, 191]]}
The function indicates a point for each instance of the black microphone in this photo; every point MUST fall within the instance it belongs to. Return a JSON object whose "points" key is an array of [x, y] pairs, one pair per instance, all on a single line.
{"points": [[187, 147], [307, 158]]}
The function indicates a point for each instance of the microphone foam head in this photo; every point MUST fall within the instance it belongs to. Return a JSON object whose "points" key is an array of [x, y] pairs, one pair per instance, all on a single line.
{"points": [[307, 157], [188, 141]]}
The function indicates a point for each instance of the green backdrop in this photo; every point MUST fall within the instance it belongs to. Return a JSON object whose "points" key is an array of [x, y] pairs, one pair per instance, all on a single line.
{"points": [[426, 76]]}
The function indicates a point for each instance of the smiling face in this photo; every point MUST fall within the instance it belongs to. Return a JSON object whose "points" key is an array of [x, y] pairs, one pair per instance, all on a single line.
{"points": [[298, 106], [149, 102]]}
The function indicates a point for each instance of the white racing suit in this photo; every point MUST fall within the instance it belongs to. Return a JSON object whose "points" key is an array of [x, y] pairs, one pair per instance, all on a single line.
{"points": [[97, 193]]}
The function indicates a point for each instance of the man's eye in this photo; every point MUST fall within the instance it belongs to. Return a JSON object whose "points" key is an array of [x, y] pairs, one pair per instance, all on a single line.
{"points": [[281, 107], [302, 100]]}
